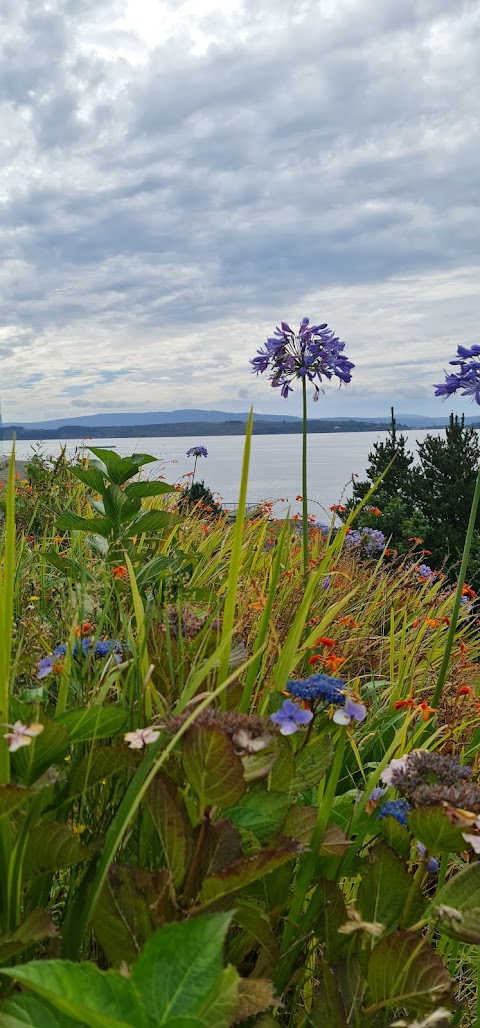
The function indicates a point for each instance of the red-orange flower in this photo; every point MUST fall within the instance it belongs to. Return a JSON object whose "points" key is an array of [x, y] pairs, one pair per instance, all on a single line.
{"points": [[120, 572], [348, 620], [467, 591], [332, 662], [465, 690], [425, 710], [316, 659], [338, 508], [85, 629], [410, 703], [323, 641]]}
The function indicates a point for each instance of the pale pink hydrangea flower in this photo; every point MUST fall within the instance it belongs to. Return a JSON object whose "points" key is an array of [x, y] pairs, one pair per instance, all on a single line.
{"points": [[141, 737], [21, 735]]}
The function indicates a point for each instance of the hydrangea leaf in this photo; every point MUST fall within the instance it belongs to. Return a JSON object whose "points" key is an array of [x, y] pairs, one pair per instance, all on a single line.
{"points": [[52, 846], [456, 907], [123, 918], [384, 889], [244, 872], [260, 812], [93, 722], [36, 927], [431, 826], [100, 764], [12, 797], [212, 767], [311, 763], [101, 999], [46, 750], [169, 816], [404, 971]]}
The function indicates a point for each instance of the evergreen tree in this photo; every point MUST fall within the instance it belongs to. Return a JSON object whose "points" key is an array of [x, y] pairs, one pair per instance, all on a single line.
{"points": [[444, 488], [399, 521]]}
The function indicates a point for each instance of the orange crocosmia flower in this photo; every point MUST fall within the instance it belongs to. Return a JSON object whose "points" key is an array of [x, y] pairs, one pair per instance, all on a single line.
{"points": [[323, 641], [348, 620], [259, 604], [85, 629], [416, 623], [427, 553], [465, 690], [338, 508], [467, 591], [299, 499], [425, 710], [410, 703], [415, 539], [332, 662], [120, 572], [433, 622], [316, 659]]}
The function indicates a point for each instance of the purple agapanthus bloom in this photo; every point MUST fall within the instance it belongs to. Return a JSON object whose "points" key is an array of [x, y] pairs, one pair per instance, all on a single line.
{"points": [[425, 572], [197, 451], [467, 379], [290, 716], [369, 539], [318, 687], [313, 353]]}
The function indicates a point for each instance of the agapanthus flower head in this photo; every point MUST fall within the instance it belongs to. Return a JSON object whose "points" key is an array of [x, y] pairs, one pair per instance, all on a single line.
{"points": [[197, 451], [290, 716], [368, 539], [312, 353], [466, 380], [395, 808], [318, 687]]}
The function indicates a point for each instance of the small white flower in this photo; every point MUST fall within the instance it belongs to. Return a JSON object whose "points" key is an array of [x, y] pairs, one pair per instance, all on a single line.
{"points": [[21, 735], [473, 840], [141, 737], [341, 717]]}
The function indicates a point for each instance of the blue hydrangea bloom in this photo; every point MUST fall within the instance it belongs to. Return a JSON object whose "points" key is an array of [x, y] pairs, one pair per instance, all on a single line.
{"points": [[318, 687], [313, 353], [395, 808]]}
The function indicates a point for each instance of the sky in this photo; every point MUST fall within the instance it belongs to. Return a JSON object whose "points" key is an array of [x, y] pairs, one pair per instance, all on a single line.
{"points": [[179, 177]]}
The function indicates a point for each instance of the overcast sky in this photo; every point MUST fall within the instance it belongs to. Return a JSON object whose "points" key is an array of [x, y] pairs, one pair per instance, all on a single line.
{"points": [[178, 177]]}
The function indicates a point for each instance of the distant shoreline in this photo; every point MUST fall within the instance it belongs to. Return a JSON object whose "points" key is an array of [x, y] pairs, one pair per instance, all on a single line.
{"points": [[200, 429]]}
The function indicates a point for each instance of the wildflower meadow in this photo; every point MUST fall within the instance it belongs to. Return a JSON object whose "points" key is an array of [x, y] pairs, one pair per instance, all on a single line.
{"points": [[239, 775]]}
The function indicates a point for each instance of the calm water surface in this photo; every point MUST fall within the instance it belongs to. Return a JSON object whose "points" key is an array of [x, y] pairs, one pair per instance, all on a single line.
{"points": [[275, 469]]}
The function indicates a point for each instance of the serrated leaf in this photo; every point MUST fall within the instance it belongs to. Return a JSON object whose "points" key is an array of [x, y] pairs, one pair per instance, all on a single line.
{"points": [[153, 521], [12, 797], [332, 915], [123, 918], [335, 842], [169, 816], [212, 767], [404, 971], [29, 1010], [300, 822], [223, 846], [328, 1008], [89, 723], [180, 966], [149, 488], [260, 812], [101, 999], [254, 996], [384, 888], [52, 846], [101, 763], [311, 763], [46, 750], [396, 836], [36, 927], [219, 1008], [258, 925], [431, 826], [70, 522], [244, 872], [282, 772], [460, 894], [256, 766]]}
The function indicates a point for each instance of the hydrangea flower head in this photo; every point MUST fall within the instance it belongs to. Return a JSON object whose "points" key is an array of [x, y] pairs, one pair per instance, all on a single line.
{"points": [[318, 687], [290, 716], [312, 353], [352, 712], [141, 737], [21, 735], [466, 380], [197, 451]]}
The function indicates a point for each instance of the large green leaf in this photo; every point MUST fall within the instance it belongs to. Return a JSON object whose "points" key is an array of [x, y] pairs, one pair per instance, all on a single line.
{"points": [[36, 927], [221, 1005], [101, 764], [69, 521], [123, 918], [47, 750], [257, 925], [153, 521], [456, 907], [244, 872], [91, 476], [404, 971], [169, 816], [332, 915], [100, 999], [180, 967], [159, 567], [384, 889], [118, 506], [12, 797], [329, 1007], [212, 767], [29, 1010], [52, 846], [431, 826], [311, 763], [260, 812], [149, 488], [84, 724]]}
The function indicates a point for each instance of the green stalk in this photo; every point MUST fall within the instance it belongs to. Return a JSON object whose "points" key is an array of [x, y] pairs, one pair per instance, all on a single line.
{"points": [[7, 585], [458, 595], [304, 480]]}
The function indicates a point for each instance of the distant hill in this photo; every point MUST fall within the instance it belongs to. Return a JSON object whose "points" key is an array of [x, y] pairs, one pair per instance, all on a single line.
{"points": [[189, 428], [168, 417]]}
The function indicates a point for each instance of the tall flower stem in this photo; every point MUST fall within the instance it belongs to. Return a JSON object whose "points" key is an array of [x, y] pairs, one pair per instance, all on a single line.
{"points": [[194, 470], [458, 595], [304, 480]]}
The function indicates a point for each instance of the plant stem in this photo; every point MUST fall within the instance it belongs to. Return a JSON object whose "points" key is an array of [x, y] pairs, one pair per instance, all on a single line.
{"points": [[458, 595], [304, 480]]}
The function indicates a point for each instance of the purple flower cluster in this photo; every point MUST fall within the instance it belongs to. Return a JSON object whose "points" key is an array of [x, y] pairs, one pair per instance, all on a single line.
{"points": [[395, 808], [101, 648], [318, 687], [314, 352], [369, 539], [426, 572], [197, 451], [467, 379]]}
